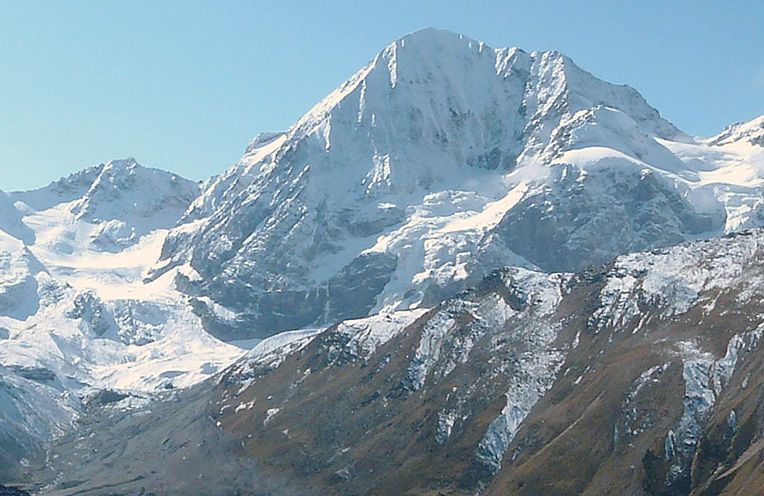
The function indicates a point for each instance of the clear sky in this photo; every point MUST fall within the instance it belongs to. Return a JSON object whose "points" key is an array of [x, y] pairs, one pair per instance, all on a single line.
{"points": [[184, 85]]}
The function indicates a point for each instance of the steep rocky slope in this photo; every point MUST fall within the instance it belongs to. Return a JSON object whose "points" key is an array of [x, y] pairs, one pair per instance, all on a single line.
{"points": [[438, 162], [639, 377]]}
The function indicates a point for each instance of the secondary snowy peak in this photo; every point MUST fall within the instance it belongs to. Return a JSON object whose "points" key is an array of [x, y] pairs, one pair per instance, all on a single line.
{"points": [[751, 132], [118, 189], [107, 207], [67, 189], [123, 189], [78, 325]]}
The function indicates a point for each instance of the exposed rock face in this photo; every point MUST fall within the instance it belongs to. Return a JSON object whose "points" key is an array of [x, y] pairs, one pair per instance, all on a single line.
{"points": [[31, 410], [93, 315], [751, 132], [12, 491], [640, 377], [585, 222], [440, 161]]}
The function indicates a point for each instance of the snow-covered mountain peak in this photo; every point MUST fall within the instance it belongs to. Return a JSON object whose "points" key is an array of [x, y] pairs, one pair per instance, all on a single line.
{"points": [[124, 188], [121, 187], [439, 159], [64, 190], [76, 317], [436, 45], [117, 171], [751, 132], [106, 207], [431, 35], [449, 84], [430, 108]]}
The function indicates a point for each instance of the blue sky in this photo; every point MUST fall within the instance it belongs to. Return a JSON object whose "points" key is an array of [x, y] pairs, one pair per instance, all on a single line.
{"points": [[184, 85]]}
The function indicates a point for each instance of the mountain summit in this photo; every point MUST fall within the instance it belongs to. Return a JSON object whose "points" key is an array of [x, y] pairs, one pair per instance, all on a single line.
{"points": [[437, 162]]}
